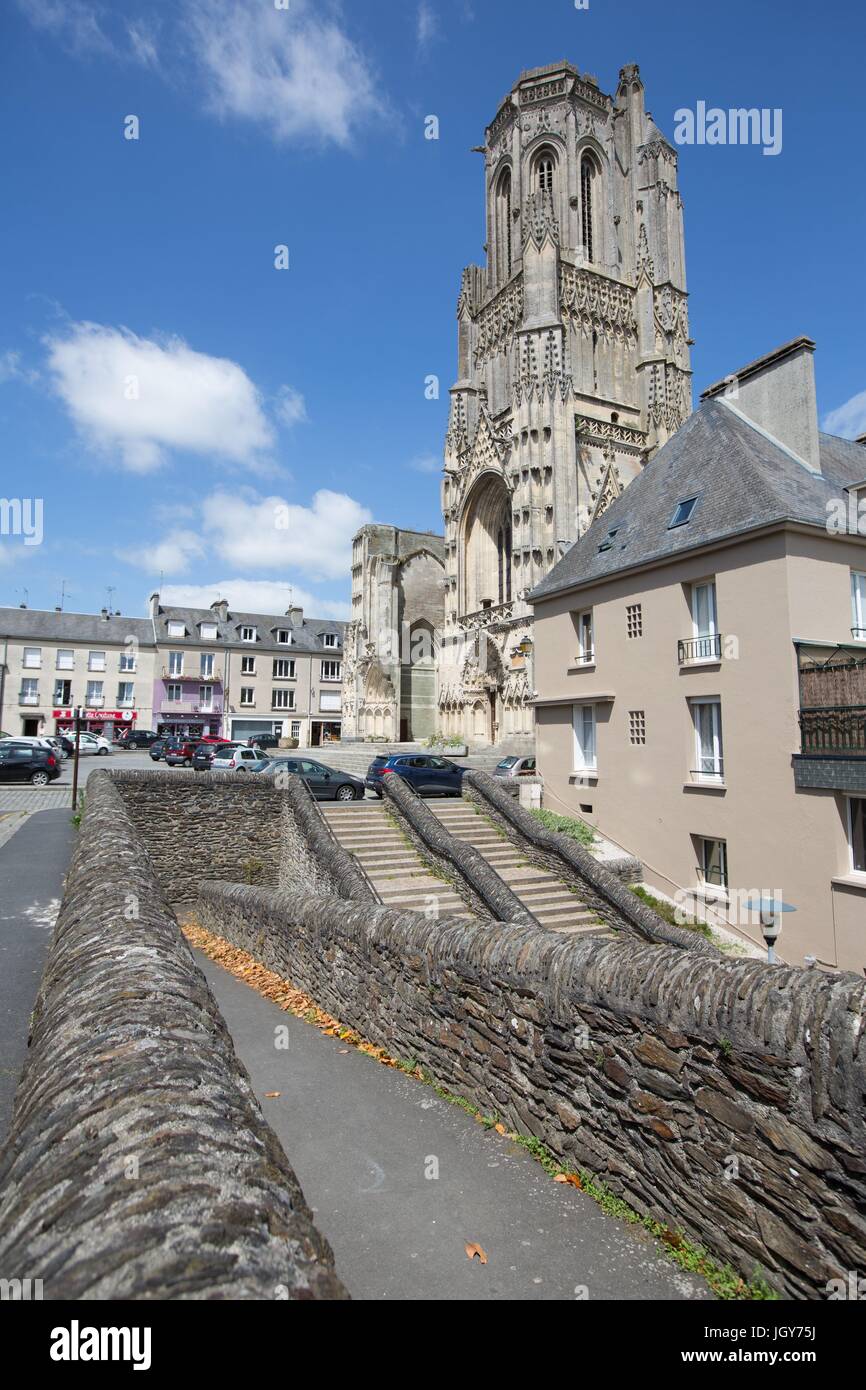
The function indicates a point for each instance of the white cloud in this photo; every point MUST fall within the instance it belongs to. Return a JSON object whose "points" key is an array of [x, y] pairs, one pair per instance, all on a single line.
{"points": [[172, 555], [141, 397], [73, 23], [12, 370], [253, 532], [848, 420], [427, 24], [291, 408], [292, 70], [426, 463], [255, 596]]}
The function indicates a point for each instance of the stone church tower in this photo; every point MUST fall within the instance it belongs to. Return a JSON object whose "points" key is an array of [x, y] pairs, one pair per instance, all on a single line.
{"points": [[573, 367]]}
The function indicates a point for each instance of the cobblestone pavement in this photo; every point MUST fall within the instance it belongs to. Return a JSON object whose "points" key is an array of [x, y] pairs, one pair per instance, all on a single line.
{"points": [[59, 794]]}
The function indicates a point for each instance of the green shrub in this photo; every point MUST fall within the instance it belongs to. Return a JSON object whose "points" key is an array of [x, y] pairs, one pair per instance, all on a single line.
{"points": [[668, 912], [575, 829]]}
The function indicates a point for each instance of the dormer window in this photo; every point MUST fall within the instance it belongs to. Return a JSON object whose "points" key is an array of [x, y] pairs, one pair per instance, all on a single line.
{"points": [[330, 639], [284, 636], [608, 541], [209, 632], [683, 512], [176, 629], [248, 634]]}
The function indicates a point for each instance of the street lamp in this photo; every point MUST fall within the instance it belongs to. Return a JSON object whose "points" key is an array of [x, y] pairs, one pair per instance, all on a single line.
{"points": [[769, 911]]}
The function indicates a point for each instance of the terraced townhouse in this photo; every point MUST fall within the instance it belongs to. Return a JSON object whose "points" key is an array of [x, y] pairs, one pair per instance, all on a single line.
{"points": [[701, 666], [183, 671]]}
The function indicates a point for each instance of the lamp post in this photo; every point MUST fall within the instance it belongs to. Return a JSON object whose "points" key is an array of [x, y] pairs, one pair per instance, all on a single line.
{"points": [[769, 911]]}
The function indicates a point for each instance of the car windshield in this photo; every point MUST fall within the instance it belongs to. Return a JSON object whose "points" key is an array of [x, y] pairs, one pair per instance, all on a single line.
{"points": [[507, 762]]}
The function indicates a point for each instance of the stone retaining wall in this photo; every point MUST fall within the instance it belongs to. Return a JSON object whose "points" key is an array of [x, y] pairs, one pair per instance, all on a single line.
{"points": [[485, 892], [600, 889], [724, 1098], [139, 1165]]}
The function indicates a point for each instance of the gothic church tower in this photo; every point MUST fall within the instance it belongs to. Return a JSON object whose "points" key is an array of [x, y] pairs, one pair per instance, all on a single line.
{"points": [[573, 367]]}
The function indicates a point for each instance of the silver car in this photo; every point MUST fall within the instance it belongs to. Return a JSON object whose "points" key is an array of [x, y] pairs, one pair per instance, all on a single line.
{"points": [[515, 767], [239, 760]]}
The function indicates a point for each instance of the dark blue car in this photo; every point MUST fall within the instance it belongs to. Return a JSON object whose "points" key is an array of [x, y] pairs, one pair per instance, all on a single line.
{"points": [[430, 776]]}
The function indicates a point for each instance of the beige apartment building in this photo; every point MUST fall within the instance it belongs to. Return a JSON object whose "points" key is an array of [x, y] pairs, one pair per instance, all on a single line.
{"points": [[701, 666], [52, 662], [240, 674]]}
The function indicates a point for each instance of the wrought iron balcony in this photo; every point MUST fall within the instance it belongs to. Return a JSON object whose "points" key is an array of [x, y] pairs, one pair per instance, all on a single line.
{"points": [[27, 699], [195, 676], [839, 729], [691, 650]]}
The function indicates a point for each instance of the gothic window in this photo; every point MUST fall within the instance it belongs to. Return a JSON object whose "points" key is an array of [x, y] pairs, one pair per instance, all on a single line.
{"points": [[544, 173], [503, 220], [588, 173]]}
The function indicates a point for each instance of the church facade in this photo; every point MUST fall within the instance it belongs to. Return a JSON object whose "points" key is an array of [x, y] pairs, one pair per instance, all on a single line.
{"points": [[573, 369]]}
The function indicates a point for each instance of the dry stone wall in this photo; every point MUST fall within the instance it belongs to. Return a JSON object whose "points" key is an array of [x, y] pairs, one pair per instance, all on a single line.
{"points": [[724, 1098], [139, 1165]]}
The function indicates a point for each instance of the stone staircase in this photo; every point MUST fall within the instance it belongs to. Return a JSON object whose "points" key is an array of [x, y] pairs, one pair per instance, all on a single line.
{"points": [[548, 898], [391, 863]]}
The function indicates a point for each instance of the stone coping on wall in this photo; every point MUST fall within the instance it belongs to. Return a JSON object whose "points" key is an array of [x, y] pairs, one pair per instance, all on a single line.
{"points": [[138, 1164], [466, 862], [723, 1098], [605, 890]]}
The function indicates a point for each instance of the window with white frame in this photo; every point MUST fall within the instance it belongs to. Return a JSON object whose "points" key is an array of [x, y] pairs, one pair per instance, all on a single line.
{"points": [[283, 699], [296, 728], [248, 634], [95, 695], [126, 661], [176, 629], [173, 694], [713, 868], [206, 662], [709, 761], [857, 833], [175, 663], [65, 661], [284, 636], [125, 693], [583, 723], [330, 639], [585, 639], [32, 658], [858, 605], [96, 661], [330, 701], [205, 699], [284, 669], [209, 632], [62, 692], [248, 695], [332, 670], [29, 691], [705, 639], [248, 666]]}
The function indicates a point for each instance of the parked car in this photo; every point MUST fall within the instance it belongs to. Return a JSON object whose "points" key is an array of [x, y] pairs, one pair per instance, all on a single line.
{"points": [[138, 738], [515, 767], [236, 757], [263, 741], [67, 745], [325, 783], [429, 775], [206, 752], [157, 749], [179, 752], [92, 743], [214, 739], [27, 762]]}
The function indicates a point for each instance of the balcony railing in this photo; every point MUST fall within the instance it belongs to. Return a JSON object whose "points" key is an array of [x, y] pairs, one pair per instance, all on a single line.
{"points": [[194, 676], [711, 770], [28, 699], [694, 649], [182, 707], [835, 729], [487, 617]]}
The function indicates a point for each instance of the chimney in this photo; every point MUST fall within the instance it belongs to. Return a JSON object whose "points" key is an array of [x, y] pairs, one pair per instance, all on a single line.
{"points": [[154, 605], [861, 439], [777, 394], [105, 613], [295, 616], [220, 607]]}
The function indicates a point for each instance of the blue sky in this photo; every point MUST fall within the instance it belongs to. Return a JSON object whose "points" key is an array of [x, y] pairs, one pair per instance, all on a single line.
{"points": [[147, 266]]}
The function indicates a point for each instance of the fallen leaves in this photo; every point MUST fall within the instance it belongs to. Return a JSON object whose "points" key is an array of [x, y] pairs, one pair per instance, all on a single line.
{"points": [[272, 1095], [474, 1252], [571, 1178]]}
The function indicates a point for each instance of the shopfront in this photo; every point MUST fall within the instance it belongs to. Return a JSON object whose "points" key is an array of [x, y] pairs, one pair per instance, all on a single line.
{"points": [[113, 724]]}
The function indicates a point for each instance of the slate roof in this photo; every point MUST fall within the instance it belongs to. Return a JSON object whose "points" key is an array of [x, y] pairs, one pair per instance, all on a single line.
{"points": [[306, 638], [49, 626], [741, 478]]}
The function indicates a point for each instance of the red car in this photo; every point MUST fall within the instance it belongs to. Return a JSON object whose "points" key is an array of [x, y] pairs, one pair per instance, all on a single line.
{"points": [[212, 738]]}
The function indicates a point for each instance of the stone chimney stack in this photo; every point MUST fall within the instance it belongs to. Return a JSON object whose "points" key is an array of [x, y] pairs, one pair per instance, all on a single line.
{"points": [[154, 605], [221, 608], [296, 617], [777, 394]]}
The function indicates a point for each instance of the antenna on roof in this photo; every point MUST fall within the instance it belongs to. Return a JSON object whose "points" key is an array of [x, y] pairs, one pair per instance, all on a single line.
{"points": [[110, 589], [62, 593]]}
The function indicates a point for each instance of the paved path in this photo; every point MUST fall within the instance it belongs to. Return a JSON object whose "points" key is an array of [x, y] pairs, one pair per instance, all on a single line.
{"points": [[360, 1135], [33, 862]]}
